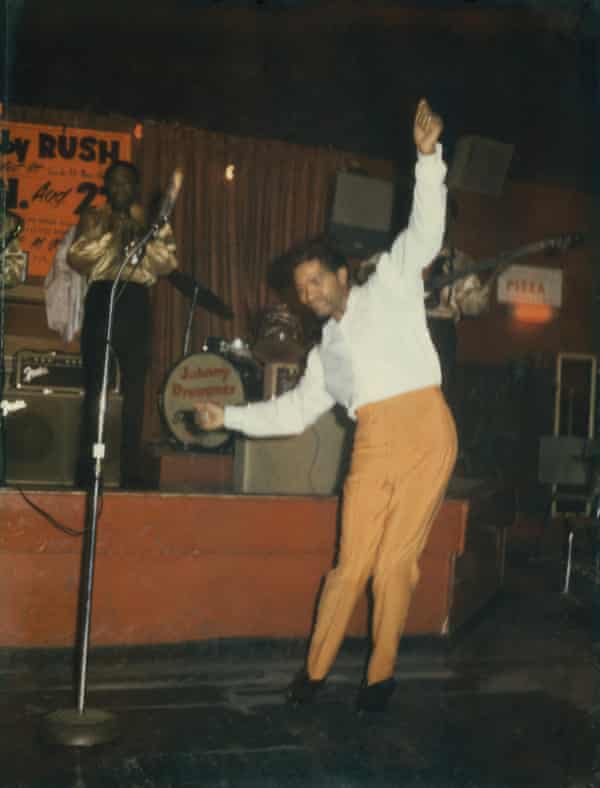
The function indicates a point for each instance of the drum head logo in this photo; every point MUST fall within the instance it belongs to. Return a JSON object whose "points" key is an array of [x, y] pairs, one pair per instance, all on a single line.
{"points": [[201, 376]]}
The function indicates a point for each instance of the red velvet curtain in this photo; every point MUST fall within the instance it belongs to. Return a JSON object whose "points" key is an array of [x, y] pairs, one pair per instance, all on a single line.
{"points": [[227, 231]]}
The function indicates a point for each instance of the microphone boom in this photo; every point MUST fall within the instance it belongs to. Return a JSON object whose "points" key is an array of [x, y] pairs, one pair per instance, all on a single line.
{"points": [[170, 197]]}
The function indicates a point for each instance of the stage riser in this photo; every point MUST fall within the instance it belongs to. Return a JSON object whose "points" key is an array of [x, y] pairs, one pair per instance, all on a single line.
{"points": [[175, 568]]}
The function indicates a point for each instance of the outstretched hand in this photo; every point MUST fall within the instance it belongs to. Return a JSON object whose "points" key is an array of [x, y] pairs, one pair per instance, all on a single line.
{"points": [[210, 416], [427, 129]]}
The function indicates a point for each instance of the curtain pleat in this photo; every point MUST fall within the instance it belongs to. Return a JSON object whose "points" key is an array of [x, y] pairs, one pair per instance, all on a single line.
{"points": [[227, 231]]}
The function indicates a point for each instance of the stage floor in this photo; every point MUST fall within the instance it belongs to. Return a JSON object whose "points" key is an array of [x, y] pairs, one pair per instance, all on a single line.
{"points": [[509, 703]]}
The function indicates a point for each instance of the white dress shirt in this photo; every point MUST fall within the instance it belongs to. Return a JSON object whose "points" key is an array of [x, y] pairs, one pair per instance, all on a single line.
{"points": [[381, 346]]}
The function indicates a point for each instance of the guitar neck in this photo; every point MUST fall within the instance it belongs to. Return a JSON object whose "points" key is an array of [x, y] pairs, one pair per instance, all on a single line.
{"points": [[502, 261]]}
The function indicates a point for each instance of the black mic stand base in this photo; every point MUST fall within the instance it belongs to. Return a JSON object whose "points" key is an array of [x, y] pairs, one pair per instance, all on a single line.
{"points": [[80, 726], [74, 728]]}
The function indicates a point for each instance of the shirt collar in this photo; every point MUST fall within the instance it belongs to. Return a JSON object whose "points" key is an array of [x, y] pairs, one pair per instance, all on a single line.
{"points": [[332, 325]]}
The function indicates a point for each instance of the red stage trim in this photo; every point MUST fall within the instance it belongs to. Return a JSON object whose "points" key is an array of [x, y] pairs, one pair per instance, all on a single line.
{"points": [[181, 567]]}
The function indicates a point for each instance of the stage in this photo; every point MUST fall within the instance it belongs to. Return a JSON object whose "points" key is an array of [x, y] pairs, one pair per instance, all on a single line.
{"points": [[176, 567]]}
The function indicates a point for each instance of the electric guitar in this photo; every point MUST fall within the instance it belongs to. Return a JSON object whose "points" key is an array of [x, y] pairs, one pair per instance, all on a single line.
{"points": [[435, 282]]}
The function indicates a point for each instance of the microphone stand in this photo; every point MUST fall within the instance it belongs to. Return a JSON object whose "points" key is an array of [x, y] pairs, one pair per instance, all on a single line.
{"points": [[5, 406], [84, 727], [3, 440], [188, 331]]}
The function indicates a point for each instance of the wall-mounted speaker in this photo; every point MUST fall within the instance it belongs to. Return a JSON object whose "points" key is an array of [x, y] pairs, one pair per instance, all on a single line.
{"points": [[361, 213], [42, 439], [480, 165]]}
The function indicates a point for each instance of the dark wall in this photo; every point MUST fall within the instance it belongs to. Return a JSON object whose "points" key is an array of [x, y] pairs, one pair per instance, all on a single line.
{"points": [[334, 73]]}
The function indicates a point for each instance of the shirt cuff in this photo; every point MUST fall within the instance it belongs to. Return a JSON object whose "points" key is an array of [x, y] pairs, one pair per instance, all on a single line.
{"points": [[430, 164], [233, 417]]}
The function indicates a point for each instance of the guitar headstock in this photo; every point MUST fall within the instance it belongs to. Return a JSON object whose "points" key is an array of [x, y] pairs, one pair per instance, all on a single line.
{"points": [[564, 242]]}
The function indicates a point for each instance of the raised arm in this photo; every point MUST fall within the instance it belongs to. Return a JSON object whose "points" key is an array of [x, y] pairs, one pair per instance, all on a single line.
{"points": [[418, 244], [427, 128]]}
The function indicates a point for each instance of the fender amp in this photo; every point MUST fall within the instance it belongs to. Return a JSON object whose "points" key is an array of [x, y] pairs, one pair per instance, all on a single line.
{"points": [[42, 440], [51, 370]]}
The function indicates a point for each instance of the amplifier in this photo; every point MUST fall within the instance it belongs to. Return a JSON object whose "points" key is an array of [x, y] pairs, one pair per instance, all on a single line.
{"points": [[52, 370], [313, 463], [42, 440]]}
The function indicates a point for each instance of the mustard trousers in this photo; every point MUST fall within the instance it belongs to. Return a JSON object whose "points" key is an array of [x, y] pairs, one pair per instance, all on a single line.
{"points": [[404, 452]]}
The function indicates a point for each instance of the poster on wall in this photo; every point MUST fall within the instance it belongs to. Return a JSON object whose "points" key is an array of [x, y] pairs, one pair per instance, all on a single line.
{"points": [[50, 174]]}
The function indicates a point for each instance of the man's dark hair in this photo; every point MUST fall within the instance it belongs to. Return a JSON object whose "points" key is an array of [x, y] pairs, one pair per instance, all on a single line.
{"points": [[122, 165], [321, 248]]}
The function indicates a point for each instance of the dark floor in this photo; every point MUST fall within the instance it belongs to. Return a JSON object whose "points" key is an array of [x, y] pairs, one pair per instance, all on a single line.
{"points": [[510, 702]]}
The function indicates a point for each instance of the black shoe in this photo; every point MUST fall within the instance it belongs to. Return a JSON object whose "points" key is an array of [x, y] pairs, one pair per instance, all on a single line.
{"points": [[375, 697], [303, 689]]}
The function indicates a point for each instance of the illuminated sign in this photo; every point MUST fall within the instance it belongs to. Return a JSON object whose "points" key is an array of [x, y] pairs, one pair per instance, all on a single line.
{"points": [[521, 284]]}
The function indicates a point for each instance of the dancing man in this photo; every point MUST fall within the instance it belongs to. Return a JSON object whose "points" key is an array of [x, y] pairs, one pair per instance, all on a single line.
{"points": [[376, 358]]}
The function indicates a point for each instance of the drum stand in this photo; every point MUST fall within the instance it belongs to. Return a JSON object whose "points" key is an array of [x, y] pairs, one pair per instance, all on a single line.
{"points": [[83, 727]]}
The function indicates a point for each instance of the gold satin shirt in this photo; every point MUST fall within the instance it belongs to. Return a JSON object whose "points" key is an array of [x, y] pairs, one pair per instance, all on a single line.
{"points": [[97, 251]]}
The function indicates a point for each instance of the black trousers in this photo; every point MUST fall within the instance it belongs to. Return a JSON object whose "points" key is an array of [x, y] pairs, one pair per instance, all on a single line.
{"points": [[444, 336], [131, 347]]}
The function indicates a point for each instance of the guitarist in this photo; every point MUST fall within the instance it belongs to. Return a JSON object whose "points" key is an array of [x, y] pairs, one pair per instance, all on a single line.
{"points": [[466, 297], [454, 290], [101, 239]]}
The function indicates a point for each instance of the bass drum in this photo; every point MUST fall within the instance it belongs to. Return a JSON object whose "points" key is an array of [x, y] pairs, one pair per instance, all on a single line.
{"points": [[199, 376]]}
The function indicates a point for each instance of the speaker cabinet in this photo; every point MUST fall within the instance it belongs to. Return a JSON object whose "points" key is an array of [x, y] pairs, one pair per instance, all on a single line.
{"points": [[314, 463], [42, 440], [480, 165], [361, 214]]}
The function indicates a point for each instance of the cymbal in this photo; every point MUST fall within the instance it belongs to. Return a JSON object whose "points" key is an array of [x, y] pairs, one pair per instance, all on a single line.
{"points": [[205, 298]]}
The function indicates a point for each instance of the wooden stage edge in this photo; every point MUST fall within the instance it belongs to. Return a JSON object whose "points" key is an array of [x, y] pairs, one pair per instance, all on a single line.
{"points": [[179, 567]]}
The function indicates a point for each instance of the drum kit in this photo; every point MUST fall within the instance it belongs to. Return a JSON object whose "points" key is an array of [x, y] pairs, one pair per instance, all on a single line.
{"points": [[226, 372]]}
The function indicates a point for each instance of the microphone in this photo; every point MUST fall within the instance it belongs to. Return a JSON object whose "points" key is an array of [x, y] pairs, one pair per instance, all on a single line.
{"points": [[135, 254], [170, 198]]}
